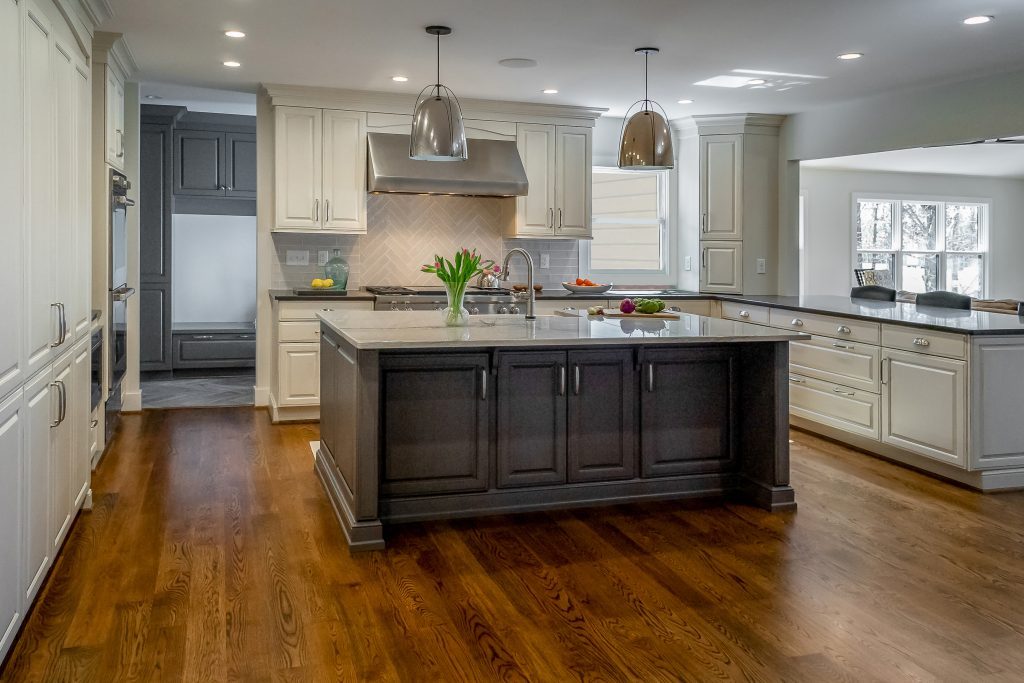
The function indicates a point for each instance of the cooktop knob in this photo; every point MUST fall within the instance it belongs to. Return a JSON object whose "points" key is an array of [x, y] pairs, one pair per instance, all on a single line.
{"points": [[514, 310], [474, 311], [503, 310]]}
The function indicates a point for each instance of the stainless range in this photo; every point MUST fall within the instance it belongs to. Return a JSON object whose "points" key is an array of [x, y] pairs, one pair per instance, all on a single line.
{"points": [[478, 301]]}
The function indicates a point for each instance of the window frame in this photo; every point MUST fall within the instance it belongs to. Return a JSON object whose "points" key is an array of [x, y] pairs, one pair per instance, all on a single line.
{"points": [[668, 273], [898, 252]]}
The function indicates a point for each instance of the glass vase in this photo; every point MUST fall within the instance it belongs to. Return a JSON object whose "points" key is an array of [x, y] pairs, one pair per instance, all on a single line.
{"points": [[456, 314]]}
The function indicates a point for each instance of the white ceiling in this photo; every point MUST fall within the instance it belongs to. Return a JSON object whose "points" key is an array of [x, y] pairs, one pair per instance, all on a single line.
{"points": [[990, 160], [584, 47], [199, 99]]}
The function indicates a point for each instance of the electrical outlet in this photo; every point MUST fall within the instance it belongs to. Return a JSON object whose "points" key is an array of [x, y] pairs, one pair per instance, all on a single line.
{"points": [[297, 257], [687, 263], [762, 266], [322, 256], [545, 260]]}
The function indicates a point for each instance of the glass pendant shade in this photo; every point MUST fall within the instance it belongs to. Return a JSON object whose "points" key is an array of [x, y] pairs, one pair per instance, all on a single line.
{"points": [[646, 140], [438, 133]]}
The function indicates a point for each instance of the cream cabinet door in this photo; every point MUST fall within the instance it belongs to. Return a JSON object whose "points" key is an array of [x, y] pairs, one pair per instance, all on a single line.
{"points": [[573, 172], [535, 213], [298, 167], [721, 187], [11, 187], [924, 405], [61, 443], [39, 220], [64, 263], [79, 416], [298, 374], [11, 451], [40, 413], [81, 321], [114, 125], [344, 171], [721, 267]]}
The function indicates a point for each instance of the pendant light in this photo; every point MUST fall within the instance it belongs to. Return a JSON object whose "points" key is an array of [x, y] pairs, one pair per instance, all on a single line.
{"points": [[437, 130], [646, 142]]}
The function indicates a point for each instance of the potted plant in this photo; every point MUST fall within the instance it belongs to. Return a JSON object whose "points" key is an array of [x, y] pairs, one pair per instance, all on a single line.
{"points": [[456, 275]]}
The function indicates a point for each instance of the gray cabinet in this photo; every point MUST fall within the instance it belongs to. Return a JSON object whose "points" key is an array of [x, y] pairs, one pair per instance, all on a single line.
{"points": [[155, 210], [435, 423], [687, 407], [532, 387], [601, 415], [199, 163], [240, 165]]}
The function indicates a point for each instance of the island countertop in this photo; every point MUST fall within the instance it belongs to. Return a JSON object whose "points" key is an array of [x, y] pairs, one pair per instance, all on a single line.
{"points": [[425, 330]]}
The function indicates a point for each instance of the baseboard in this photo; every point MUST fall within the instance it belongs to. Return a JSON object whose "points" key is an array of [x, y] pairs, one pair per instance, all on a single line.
{"points": [[131, 402], [279, 414], [261, 396], [360, 536]]}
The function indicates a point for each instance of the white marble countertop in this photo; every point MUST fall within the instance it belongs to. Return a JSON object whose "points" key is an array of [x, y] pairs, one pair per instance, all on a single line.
{"points": [[425, 330]]}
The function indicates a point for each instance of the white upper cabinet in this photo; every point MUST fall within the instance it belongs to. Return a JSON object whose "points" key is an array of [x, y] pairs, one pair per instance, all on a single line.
{"points": [[558, 163], [11, 169], [344, 173], [320, 169], [114, 111], [64, 268], [81, 298], [721, 187]]}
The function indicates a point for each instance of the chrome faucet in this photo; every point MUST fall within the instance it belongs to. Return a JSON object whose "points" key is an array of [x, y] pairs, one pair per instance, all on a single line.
{"points": [[529, 278]]}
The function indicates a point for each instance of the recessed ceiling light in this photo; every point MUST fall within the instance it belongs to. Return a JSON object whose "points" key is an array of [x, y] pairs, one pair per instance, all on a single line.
{"points": [[399, 79], [756, 81], [549, 91], [234, 34], [847, 56], [981, 19], [518, 63], [684, 101], [232, 65]]}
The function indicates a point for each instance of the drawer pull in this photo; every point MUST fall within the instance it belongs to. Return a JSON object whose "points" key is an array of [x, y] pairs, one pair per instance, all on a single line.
{"points": [[843, 329], [796, 322], [796, 380], [921, 341], [843, 346], [744, 314], [202, 336], [837, 390]]}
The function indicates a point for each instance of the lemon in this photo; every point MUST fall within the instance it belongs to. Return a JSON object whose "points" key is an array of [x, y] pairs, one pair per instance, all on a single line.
{"points": [[329, 282], [317, 283]]}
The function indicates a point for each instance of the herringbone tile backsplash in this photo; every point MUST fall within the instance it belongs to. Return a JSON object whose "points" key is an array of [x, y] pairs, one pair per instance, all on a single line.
{"points": [[405, 231]]}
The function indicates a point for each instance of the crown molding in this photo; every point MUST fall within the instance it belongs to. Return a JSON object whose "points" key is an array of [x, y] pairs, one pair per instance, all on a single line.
{"points": [[96, 11], [112, 49], [395, 103], [727, 124]]}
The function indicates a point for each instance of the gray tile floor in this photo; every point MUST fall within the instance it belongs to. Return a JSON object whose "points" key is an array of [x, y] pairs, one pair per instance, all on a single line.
{"points": [[198, 392]]}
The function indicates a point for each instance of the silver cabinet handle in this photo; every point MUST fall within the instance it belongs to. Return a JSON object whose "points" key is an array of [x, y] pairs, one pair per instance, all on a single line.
{"points": [[703, 258], [796, 322], [122, 293], [327, 210], [561, 380], [796, 380], [744, 314], [843, 329], [56, 387], [63, 323], [483, 384], [576, 380], [551, 218], [93, 424], [120, 142], [921, 341], [202, 336], [559, 218], [650, 378], [63, 401], [704, 222], [316, 209], [843, 346], [60, 327], [885, 371], [837, 390]]}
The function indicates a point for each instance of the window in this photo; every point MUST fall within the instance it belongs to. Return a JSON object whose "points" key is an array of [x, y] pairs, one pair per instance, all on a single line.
{"points": [[630, 223], [927, 244]]}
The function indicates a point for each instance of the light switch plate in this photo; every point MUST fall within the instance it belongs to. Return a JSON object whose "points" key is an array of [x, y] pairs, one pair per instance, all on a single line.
{"points": [[297, 257], [687, 263], [762, 266], [545, 260], [322, 256]]}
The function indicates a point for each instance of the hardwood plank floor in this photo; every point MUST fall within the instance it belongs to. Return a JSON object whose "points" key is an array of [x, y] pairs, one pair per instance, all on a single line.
{"points": [[213, 555]]}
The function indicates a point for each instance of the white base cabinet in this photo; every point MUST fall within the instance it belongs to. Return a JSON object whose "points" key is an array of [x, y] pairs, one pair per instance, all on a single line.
{"points": [[12, 448]]}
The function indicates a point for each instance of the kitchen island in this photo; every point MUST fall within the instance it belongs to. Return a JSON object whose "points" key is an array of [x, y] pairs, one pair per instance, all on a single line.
{"points": [[420, 421]]}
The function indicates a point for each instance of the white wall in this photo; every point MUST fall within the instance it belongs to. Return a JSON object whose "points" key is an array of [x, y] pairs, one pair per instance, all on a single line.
{"points": [[828, 215], [213, 269]]}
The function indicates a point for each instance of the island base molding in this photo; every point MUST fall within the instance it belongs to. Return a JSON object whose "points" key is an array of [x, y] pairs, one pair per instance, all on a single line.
{"points": [[989, 481], [360, 535]]}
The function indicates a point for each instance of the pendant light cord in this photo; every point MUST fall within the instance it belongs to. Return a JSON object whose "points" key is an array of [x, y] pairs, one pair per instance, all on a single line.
{"points": [[437, 83]]}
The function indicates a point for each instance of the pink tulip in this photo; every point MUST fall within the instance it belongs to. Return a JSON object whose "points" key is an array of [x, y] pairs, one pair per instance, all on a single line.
{"points": [[497, 269]]}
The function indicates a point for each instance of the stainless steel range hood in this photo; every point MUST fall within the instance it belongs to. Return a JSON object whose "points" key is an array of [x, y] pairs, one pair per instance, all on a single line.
{"points": [[493, 169]]}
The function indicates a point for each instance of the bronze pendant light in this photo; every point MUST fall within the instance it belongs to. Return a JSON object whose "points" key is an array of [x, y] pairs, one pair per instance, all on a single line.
{"points": [[646, 141], [438, 133]]}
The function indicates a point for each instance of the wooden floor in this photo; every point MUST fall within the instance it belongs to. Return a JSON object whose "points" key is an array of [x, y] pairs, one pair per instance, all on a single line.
{"points": [[212, 555]]}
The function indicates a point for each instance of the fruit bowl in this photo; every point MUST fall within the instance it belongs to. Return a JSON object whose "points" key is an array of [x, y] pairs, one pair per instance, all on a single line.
{"points": [[585, 289]]}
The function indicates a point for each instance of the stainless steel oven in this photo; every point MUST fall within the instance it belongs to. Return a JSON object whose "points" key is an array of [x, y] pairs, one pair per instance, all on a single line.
{"points": [[118, 281]]}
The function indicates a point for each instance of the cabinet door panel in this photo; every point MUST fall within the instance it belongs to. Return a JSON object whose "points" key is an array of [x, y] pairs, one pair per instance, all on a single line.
{"points": [[64, 267], [39, 412], [11, 187], [39, 219], [924, 405], [154, 204], [535, 211], [154, 328], [298, 139], [572, 184], [298, 374], [344, 180], [435, 423], [61, 436], [721, 267], [199, 163], [82, 322], [601, 409], [687, 403], [721, 191], [114, 124], [240, 149], [11, 450], [79, 418], [531, 418]]}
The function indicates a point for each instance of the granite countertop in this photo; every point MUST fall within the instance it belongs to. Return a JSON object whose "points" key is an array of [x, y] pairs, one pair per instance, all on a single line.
{"points": [[328, 295], [424, 330]]}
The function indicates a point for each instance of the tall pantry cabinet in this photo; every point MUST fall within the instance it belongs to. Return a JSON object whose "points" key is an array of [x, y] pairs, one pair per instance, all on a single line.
{"points": [[45, 276]]}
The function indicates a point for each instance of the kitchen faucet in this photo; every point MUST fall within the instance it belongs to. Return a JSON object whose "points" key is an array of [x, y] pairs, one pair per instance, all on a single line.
{"points": [[529, 278]]}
